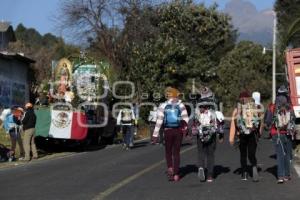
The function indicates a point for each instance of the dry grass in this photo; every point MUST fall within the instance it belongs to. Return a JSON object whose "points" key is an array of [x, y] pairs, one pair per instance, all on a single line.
{"points": [[4, 138], [143, 132]]}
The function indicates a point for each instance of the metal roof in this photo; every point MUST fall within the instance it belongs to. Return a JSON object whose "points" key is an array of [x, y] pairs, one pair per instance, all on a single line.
{"points": [[16, 56]]}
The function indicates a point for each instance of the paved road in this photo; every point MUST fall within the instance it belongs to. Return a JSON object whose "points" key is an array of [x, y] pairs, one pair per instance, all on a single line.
{"points": [[113, 173]]}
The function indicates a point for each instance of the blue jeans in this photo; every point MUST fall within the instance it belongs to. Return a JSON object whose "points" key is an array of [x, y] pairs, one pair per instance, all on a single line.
{"points": [[127, 134], [283, 153]]}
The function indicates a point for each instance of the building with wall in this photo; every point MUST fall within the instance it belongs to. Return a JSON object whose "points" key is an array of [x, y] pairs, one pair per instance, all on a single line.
{"points": [[14, 68]]}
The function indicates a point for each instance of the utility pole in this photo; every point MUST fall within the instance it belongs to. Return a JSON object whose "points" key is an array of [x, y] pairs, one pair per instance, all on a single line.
{"points": [[274, 59]]}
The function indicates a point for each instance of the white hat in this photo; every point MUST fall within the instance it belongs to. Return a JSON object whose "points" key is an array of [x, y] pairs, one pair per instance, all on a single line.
{"points": [[256, 97], [4, 113]]}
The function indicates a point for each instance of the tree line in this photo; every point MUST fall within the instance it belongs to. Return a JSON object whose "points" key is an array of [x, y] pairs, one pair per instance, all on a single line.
{"points": [[157, 44]]}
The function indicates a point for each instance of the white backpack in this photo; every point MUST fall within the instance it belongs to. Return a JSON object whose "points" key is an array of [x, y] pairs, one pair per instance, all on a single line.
{"points": [[126, 116], [207, 125], [152, 116], [248, 118], [283, 119]]}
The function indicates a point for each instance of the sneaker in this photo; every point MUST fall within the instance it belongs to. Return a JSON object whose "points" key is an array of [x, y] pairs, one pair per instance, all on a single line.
{"points": [[176, 178], [287, 178], [201, 174], [280, 181], [21, 158], [255, 174], [210, 179], [244, 176], [170, 174]]}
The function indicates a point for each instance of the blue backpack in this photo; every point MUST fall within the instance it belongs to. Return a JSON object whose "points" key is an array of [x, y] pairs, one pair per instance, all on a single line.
{"points": [[172, 116]]}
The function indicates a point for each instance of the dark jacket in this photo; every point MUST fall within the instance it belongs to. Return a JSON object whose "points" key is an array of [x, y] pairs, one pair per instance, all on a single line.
{"points": [[29, 120]]}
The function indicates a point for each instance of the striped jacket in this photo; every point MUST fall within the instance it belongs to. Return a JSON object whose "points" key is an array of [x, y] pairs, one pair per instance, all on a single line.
{"points": [[160, 114]]}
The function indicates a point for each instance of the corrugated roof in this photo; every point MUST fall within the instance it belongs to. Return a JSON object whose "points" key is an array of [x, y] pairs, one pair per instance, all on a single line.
{"points": [[16, 56]]}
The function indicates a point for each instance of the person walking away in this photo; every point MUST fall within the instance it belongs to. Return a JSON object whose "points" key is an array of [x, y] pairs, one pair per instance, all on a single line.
{"points": [[282, 129], [136, 112], [12, 126], [246, 126], [174, 117], [29, 122], [126, 119], [210, 127], [152, 118]]}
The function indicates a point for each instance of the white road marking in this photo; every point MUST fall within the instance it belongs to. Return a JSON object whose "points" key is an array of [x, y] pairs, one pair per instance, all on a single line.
{"points": [[107, 192]]}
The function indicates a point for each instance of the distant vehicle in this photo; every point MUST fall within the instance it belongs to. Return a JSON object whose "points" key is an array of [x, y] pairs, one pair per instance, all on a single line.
{"points": [[293, 73], [76, 112]]}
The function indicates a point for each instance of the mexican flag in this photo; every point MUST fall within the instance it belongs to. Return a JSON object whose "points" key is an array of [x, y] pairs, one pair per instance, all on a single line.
{"points": [[61, 124]]}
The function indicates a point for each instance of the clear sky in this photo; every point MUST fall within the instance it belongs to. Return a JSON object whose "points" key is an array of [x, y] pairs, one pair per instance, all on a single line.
{"points": [[38, 13]]}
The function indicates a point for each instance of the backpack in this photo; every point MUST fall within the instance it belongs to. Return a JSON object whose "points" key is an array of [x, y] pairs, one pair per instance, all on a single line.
{"points": [[248, 118], [282, 118], [172, 116], [10, 123], [207, 126], [152, 116], [126, 116]]}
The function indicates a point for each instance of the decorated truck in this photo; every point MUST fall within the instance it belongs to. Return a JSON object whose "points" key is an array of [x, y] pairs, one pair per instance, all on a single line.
{"points": [[76, 108], [293, 73]]}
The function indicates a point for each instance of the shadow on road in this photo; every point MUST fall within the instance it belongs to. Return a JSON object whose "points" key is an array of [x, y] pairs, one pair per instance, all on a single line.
{"points": [[272, 170], [249, 170], [219, 170], [188, 169], [140, 144]]}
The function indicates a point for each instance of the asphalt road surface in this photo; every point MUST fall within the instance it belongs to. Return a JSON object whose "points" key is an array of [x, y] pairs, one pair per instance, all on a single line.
{"points": [[114, 173]]}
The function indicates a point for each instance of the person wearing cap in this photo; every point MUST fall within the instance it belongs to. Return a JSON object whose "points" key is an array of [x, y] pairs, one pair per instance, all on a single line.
{"points": [[173, 116], [247, 137], [12, 126], [29, 122], [282, 135], [209, 123]]}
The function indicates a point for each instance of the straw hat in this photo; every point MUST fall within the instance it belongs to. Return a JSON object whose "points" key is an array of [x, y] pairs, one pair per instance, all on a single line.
{"points": [[28, 105], [171, 92]]}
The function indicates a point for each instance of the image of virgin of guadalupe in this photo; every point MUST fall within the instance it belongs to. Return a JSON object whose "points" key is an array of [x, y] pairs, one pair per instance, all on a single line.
{"points": [[64, 79]]}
